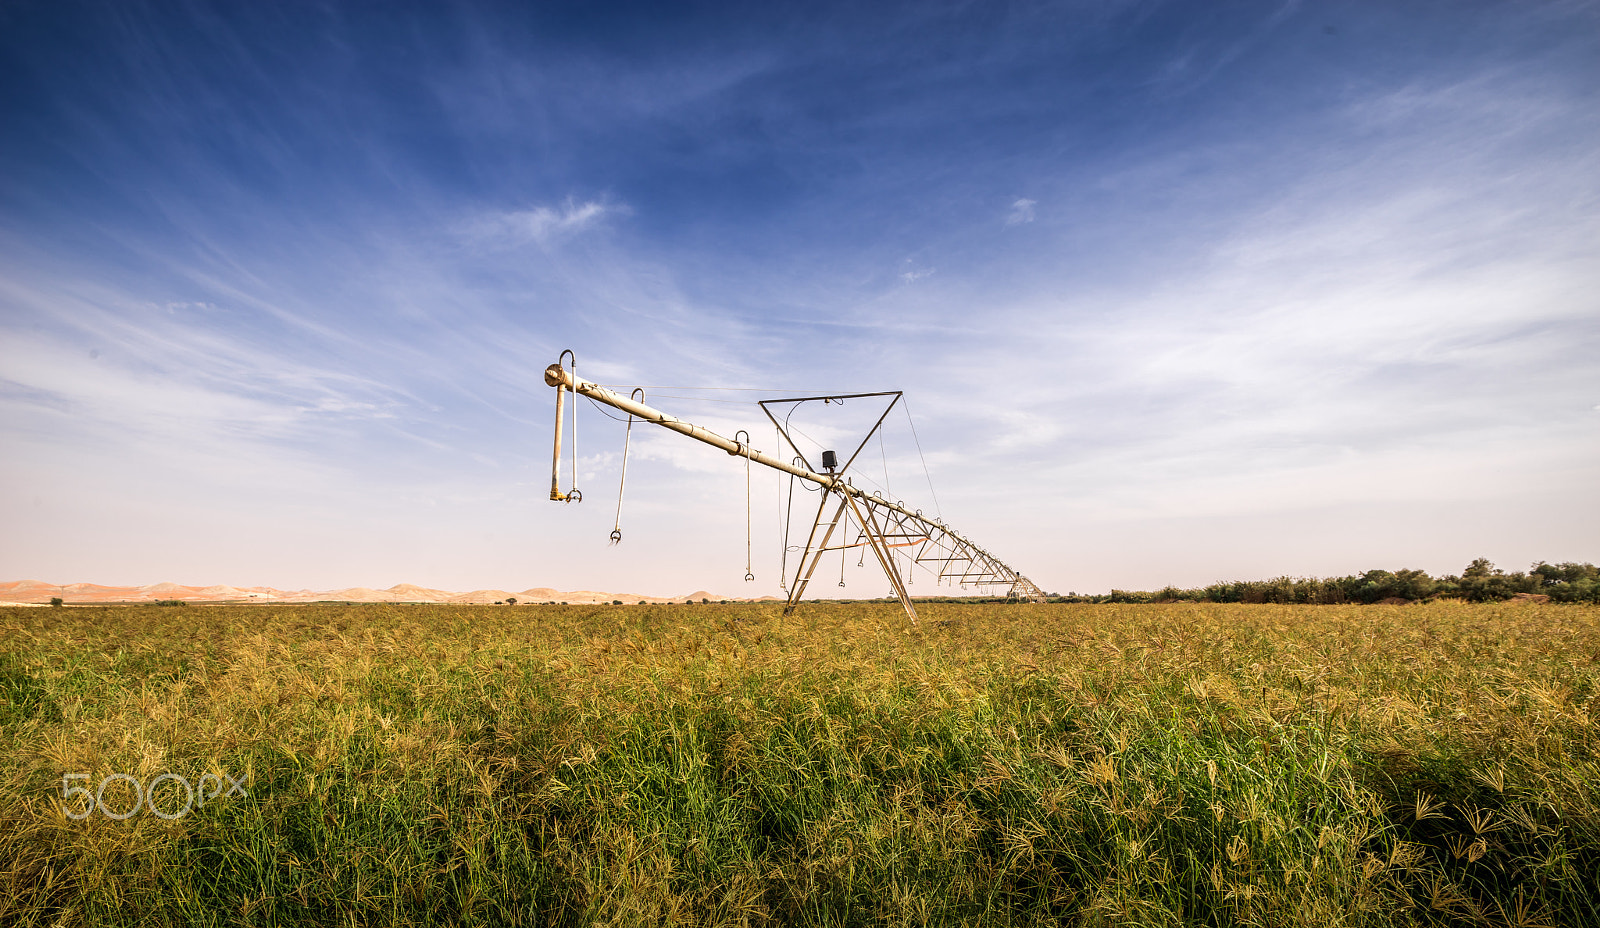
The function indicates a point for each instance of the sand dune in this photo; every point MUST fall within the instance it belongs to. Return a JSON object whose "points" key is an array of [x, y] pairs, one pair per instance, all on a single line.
{"points": [[35, 592]]}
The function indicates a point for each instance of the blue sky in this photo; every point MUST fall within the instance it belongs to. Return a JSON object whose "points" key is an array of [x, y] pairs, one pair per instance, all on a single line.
{"points": [[1177, 292]]}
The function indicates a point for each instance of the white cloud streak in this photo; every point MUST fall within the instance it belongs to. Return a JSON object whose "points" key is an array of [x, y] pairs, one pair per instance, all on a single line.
{"points": [[538, 225]]}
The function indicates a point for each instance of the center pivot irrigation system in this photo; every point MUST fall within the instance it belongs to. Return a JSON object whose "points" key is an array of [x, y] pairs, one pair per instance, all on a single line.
{"points": [[889, 528]]}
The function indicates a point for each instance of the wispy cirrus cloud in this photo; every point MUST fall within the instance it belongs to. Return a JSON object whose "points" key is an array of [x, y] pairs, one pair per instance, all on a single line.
{"points": [[1021, 211], [538, 225]]}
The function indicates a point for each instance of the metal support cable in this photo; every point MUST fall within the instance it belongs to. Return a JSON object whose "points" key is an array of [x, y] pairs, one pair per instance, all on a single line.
{"points": [[906, 405], [885, 459]]}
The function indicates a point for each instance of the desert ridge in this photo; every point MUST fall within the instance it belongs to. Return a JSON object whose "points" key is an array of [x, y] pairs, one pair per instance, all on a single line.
{"points": [[38, 592]]}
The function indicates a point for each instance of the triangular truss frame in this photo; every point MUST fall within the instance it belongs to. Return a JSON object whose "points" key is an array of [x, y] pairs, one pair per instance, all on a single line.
{"points": [[871, 531]]}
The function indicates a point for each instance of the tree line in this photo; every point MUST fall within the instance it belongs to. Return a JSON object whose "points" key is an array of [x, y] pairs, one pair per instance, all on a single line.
{"points": [[1480, 582]]}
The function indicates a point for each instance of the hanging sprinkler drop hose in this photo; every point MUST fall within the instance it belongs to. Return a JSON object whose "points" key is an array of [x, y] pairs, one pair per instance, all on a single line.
{"points": [[744, 450], [622, 485]]}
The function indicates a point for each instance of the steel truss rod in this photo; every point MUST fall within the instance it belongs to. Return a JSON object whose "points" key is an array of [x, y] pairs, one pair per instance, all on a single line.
{"points": [[879, 518], [803, 573]]}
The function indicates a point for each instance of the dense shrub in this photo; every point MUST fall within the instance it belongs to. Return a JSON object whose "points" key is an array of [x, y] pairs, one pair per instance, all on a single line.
{"points": [[1481, 581]]}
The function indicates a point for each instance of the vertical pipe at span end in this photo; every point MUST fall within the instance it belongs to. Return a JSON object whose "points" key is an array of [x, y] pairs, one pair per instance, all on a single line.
{"points": [[555, 460]]}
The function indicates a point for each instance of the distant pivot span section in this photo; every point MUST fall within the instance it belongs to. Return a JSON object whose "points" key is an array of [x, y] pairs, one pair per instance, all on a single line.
{"points": [[891, 530]]}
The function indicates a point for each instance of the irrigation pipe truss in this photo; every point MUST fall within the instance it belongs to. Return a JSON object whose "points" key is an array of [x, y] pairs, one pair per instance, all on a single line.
{"points": [[890, 528]]}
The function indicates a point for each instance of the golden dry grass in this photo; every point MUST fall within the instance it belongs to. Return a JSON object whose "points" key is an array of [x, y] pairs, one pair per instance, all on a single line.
{"points": [[1061, 764]]}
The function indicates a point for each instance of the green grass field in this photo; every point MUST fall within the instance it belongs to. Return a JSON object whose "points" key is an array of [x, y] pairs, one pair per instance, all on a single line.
{"points": [[699, 765]]}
